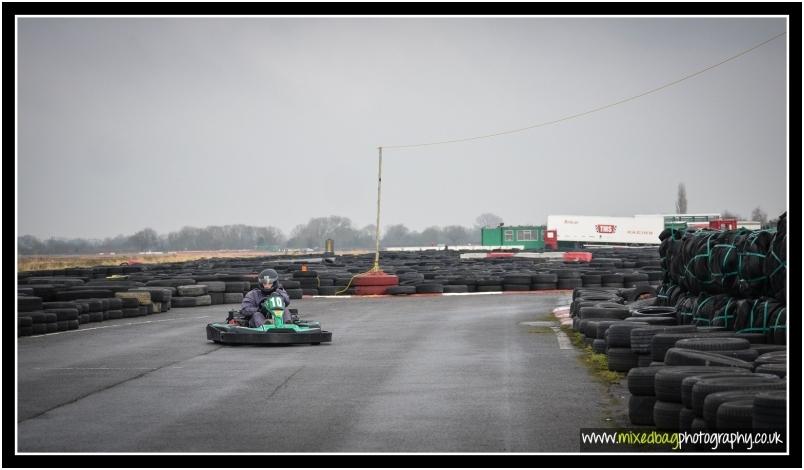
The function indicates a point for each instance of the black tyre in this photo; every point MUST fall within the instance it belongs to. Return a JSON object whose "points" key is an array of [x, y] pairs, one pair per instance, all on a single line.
{"points": [[401, 290], [569, 283], [64, 314], [192, 290], [621, 359], [640, 409], [28, 303], [429, 289], [779, 370], [129, 302], [544, 279], [328, 290], [643, 360], [181, 302], [775, 357], [713, 344], [685, 419], [770, 410], [517, 279], [489, 288], [735, 415], [641, 337], [689, 382], [543, 286], [115, 314], [666, 415], [657, 321], [455, 288], [667, 381], [131, 312], [293, 293], [39, 328], [689, 357], [602, 312], [654, 312], [619, 334], [640, 380], [713, 401], [704, 387]]}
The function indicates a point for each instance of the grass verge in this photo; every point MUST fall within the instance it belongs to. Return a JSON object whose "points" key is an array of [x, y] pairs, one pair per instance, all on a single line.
{"points": [[597, 364]]}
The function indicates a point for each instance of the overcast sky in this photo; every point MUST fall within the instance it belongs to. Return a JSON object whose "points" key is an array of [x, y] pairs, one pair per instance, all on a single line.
{"points": [[130, 123]]}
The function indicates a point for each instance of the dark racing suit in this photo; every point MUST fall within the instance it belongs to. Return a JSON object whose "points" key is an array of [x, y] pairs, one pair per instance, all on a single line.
{"points": [[250, 308]]}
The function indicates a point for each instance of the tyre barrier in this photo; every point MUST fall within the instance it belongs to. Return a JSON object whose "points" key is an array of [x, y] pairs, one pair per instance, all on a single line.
{"points": [[735, 279], [665, 362], [88, 291]]}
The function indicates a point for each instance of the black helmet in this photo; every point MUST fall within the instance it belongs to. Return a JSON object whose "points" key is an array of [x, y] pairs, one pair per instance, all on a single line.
{"points": [[267, 280]]}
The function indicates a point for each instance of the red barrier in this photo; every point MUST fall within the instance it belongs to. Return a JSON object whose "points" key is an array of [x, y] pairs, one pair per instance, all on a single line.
{"points": [[578, 256]]}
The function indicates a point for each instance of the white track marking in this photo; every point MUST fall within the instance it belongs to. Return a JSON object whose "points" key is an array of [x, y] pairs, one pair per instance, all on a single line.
{"points": [[563, 340]]}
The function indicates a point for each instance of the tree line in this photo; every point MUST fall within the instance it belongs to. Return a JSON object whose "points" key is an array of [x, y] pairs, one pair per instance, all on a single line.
{"points": [[757, 215], [246, 237]]}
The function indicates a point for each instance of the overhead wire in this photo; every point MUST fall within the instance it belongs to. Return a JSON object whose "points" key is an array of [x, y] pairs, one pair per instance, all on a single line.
{"points": [[594, 110]]}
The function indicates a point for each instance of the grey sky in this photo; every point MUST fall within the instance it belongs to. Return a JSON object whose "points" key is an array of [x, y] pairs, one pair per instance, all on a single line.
{"points": [[165, 122]]}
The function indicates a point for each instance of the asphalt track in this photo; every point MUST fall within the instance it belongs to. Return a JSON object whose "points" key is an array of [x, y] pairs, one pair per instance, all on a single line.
{"points": [[417, 374]]}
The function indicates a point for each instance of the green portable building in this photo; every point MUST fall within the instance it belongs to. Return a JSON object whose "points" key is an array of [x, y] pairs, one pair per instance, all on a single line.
{"points": [[531, 237]]}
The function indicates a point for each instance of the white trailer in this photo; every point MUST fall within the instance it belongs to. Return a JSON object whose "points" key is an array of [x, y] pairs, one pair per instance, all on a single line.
{"points": [[643, 230], [749, 224]]}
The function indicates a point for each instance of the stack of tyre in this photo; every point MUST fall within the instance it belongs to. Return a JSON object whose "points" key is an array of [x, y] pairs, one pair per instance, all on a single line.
{"points": [[308, 281], [709, 392], [191, 295], [32, 319], [595, 311], [161, 297], [684, 377], [732, 279], [137, 304]]}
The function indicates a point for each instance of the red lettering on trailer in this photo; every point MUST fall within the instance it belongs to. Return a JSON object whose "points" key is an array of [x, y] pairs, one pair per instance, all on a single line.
{"points": [[601, 228]]}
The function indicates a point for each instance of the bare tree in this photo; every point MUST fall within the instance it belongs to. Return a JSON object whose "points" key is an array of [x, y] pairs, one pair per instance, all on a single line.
{"points": [[488, 220], [758, 215], [681, 202], [455, 234], [145, 239], [431, 236], [396, 235]]}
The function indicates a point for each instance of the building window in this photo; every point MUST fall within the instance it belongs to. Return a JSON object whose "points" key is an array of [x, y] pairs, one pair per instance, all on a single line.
{"points": [[524, 235], [509, 235]]}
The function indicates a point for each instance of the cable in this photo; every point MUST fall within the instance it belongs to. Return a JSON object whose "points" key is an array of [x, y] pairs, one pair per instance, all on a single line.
{"points": [[547, 123], [353, 277]]}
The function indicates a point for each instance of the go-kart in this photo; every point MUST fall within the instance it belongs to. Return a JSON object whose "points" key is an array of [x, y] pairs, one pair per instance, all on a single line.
{"points": [[235, 329]]}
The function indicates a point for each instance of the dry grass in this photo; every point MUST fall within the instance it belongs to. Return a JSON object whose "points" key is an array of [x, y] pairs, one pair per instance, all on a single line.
{"points": [[35, 263]]}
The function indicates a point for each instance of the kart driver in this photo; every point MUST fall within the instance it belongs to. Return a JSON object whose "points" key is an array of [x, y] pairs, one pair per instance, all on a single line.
{"points": [[252, 307]]}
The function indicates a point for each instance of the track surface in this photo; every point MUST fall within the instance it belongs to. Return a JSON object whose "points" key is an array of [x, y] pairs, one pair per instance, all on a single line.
{"points": [[424, 374]]}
